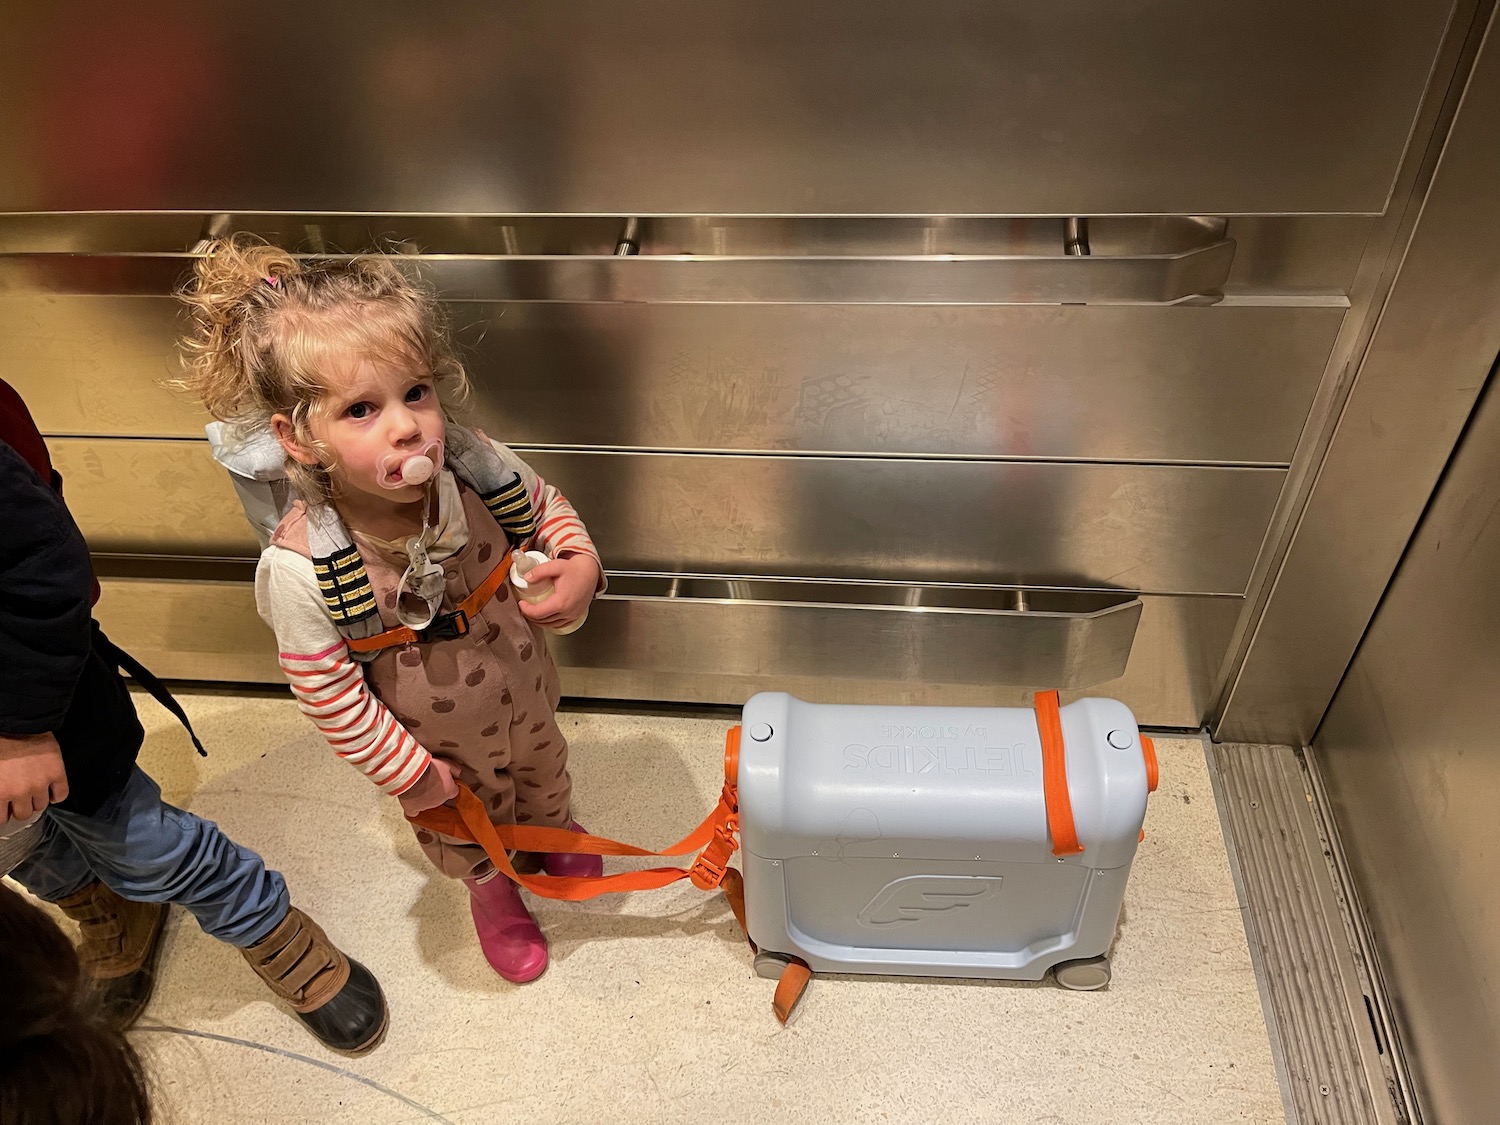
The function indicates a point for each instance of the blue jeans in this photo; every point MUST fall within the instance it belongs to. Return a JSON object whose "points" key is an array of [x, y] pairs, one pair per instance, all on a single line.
{"points": [[146, 850]]}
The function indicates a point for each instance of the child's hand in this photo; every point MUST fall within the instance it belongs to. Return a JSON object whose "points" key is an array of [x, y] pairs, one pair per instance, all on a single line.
{"points": [[435, 787], [574, 578]]}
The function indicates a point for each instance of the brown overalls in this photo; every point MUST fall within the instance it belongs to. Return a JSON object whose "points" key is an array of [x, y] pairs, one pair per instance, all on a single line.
{"points": [[484, 703]]}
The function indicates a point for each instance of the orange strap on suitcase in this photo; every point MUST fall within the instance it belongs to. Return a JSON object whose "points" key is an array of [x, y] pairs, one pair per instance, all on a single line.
{"points": [[1055, 776]]}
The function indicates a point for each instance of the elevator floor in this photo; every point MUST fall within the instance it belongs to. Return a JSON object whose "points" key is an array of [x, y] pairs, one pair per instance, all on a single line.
{"points": [[650, 1011]]}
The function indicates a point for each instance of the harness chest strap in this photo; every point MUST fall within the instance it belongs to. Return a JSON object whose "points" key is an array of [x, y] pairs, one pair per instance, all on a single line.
{"points": [[445, 626]]}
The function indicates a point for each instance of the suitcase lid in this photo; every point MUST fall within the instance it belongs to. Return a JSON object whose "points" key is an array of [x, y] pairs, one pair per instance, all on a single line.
{"points": [[955, 784]]}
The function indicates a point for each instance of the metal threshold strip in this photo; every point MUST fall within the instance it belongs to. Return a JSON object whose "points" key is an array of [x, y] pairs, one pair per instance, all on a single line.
{"points": [[1329, 1020]]}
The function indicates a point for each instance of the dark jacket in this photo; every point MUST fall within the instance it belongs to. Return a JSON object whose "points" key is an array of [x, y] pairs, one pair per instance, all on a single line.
{"points": [[54, 674]]}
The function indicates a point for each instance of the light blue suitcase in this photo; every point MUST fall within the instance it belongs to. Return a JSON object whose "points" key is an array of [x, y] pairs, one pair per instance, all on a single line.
{"points": [[916, 840]]}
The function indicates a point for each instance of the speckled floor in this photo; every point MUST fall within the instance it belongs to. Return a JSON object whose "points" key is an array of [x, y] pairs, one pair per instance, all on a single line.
{"points": [[650, 1011]]}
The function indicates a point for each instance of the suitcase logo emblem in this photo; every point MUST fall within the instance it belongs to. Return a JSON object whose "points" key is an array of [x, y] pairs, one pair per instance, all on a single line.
{"points": [[915, 898]]}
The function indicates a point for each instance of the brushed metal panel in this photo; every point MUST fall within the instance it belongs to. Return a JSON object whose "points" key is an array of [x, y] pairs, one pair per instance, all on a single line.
{"points": [[1182, 384], [152, 497], [1297, 254], [961, 106], [97, 364], [208, 630], [1411, 759], [866, 632], [880, 520], [916, 520], [1223, 384], [199, 630], [1437, 337]]}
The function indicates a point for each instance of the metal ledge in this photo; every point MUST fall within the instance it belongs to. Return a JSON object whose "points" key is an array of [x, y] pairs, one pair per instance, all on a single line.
{"points": [[968, 279]]}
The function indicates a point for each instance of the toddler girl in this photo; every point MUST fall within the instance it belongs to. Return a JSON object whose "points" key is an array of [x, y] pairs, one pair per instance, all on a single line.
{"points": [[385, 580]]}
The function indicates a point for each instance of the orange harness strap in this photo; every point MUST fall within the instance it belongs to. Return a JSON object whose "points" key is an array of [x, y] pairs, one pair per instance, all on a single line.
{"points": [[1055, 776], [717, 837], [446, 626], [789, 989]]}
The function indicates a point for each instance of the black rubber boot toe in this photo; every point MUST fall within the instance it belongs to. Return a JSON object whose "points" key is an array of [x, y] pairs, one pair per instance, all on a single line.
{"points": [[355, 1019]]}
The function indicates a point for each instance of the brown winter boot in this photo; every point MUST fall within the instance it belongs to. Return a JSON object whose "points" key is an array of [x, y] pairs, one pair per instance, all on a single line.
{"points": [[119, 943], [334, 995]]}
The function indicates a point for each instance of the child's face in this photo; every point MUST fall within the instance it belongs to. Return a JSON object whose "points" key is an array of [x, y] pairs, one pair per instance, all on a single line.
{"points": [[373, 410]]}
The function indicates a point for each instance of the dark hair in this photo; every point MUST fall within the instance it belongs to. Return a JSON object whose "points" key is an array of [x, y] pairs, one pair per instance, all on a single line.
{"points": [[59, 1063]]}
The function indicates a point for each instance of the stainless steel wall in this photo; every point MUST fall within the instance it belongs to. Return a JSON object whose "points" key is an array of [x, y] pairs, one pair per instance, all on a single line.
{"points": [[1413, 385], [983, 457], [705, 107], [846, 352], [1411, 758]]}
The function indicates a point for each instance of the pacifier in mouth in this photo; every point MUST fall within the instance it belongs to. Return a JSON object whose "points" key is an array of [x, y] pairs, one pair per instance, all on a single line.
{"points": [[406, 470]]}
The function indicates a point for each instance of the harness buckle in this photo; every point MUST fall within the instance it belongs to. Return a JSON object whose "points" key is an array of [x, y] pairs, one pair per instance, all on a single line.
{"points": [[708, 869], [448, 627]]}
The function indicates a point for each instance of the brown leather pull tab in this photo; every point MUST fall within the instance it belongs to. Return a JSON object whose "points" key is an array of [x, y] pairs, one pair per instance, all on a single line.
{"points": [[789, 990]]}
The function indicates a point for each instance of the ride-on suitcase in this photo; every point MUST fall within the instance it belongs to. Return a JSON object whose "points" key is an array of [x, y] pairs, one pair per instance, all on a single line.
{"points": [[935, 841]]}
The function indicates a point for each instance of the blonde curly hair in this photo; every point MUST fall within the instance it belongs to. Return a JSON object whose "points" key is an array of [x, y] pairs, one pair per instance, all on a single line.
{"points": [[269, 333]]}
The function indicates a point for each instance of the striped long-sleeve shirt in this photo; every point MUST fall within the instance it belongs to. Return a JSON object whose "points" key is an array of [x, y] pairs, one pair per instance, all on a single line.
{"points": [[329, 685]]}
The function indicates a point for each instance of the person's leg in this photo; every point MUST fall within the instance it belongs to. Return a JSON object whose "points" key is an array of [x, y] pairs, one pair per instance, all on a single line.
{"points": [[145, 851], [543, 791], [118, 939], [509, 937], [55, 868], [149, 851]]}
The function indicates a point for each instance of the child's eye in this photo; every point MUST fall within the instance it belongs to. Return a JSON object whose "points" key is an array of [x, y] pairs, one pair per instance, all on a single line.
{"points": [[418, 392], [360, 410]]}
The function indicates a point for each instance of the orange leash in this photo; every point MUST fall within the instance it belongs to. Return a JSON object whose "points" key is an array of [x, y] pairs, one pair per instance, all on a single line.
{"points": [[717, 837]]}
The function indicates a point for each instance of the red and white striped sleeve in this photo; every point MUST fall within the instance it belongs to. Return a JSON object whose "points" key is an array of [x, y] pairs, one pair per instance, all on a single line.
{"points": [[559, 530], [327, 683]]}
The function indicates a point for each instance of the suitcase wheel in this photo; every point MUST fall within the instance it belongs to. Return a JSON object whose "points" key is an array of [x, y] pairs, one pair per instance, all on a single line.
{"points": [[770, 966], [1083, 975]]}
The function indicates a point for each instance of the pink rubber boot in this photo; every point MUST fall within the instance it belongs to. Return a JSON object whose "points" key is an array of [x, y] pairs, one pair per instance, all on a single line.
{"points": [[512, 941], [573, 863]]}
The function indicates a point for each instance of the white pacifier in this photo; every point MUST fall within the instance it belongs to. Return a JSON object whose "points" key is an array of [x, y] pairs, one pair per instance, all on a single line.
{"points": [[406, 470]]}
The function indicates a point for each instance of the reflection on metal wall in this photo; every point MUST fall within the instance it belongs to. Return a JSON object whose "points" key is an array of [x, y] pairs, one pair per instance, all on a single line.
{"points": [[785, 295], [1416, 384], [1411, 758], [712, 107]]}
